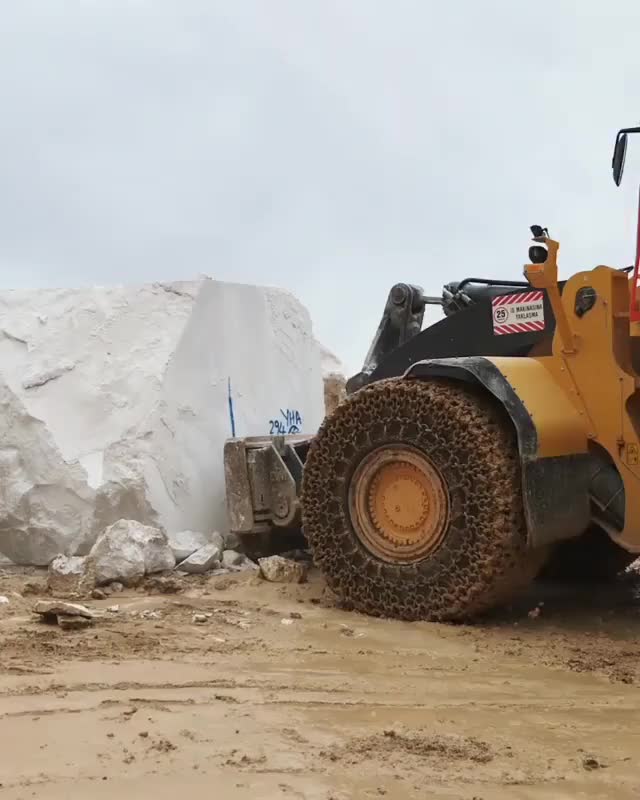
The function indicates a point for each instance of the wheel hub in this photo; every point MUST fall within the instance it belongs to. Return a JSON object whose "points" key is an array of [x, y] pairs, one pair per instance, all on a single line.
{"points": [[399, 504]]}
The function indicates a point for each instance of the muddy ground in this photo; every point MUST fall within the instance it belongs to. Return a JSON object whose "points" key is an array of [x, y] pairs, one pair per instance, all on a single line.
{"points": [[279, 694]]}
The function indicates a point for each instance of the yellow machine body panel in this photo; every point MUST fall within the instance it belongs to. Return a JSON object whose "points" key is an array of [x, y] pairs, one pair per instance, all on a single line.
{"points": [[576, 408], [552, 441], [594, 360], [595, 371], [559, 424]]}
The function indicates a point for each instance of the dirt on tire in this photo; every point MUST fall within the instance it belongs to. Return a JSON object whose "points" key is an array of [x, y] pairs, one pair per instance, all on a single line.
{"points": [[482, 560]]}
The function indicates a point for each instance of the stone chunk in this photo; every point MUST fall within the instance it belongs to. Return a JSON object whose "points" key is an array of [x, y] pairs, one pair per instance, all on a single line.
{"points": [[281, 570], [184, 543], [237, 562], [158, 556], [334, 391], [128, 550], [203, 560], [71, 576], [117, 557], [49, 608], [164, 584], [231, 558], [70, 623], [333, 372]]}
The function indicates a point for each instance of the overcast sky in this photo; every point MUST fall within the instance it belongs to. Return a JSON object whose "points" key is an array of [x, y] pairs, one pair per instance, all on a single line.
{"points": [[331, 147]]}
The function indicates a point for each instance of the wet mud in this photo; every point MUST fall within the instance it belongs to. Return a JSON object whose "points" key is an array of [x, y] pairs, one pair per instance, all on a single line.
{"points": [[274, 692]]}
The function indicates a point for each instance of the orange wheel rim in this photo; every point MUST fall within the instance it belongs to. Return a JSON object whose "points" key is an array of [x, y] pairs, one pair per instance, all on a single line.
{"points": [[399, 504]]}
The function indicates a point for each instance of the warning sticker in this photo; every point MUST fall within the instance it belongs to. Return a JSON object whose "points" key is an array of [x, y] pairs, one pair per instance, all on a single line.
{"points": [[518, 313]]}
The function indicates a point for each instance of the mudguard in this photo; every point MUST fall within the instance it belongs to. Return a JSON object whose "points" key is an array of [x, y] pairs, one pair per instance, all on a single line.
{"points": [[552, 441]]}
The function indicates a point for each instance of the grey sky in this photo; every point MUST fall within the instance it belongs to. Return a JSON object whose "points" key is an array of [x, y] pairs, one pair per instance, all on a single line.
{"points": [[332, 147]]}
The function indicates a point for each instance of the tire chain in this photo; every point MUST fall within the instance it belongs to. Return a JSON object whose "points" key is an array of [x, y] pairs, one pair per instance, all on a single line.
{"points": [[483, 559]]}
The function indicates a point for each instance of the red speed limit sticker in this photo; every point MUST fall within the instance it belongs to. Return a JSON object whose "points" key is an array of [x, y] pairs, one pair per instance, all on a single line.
{"points": [[518, 313]]}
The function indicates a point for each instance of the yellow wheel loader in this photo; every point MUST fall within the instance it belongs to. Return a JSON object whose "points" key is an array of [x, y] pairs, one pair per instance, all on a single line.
{"points": [[470, 456]]}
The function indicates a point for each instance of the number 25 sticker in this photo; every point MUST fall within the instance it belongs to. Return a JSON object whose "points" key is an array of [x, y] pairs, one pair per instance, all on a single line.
{"points": [[500, 314]]}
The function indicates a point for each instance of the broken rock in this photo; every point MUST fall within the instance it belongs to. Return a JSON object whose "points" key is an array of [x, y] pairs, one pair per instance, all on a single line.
{"points": [[71, 576], [237, 562], [117, 557], [128, 550], [333, 373], [163, 584], [231, 558], [203, 560], [50, 608], [184, 543], [71, 623], [69, 616], [281, 570]]}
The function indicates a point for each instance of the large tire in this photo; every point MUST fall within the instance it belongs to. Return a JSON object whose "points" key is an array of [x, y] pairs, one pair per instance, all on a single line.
{"points": [[591, 558], [481, 560]]}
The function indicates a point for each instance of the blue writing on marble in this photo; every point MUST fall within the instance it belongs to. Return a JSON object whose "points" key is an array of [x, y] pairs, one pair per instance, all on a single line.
{"points": [[289, 421]]}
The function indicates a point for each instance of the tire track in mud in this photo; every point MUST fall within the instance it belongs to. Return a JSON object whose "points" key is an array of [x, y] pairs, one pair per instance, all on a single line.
{"points": [[331, 705]]}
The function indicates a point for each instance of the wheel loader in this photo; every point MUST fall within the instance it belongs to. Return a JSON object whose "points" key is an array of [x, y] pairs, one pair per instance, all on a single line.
{"points": [[500, 443]]}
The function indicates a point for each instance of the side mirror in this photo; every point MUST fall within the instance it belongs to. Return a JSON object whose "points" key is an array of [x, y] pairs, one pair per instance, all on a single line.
{"points": [[619, 153]]}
